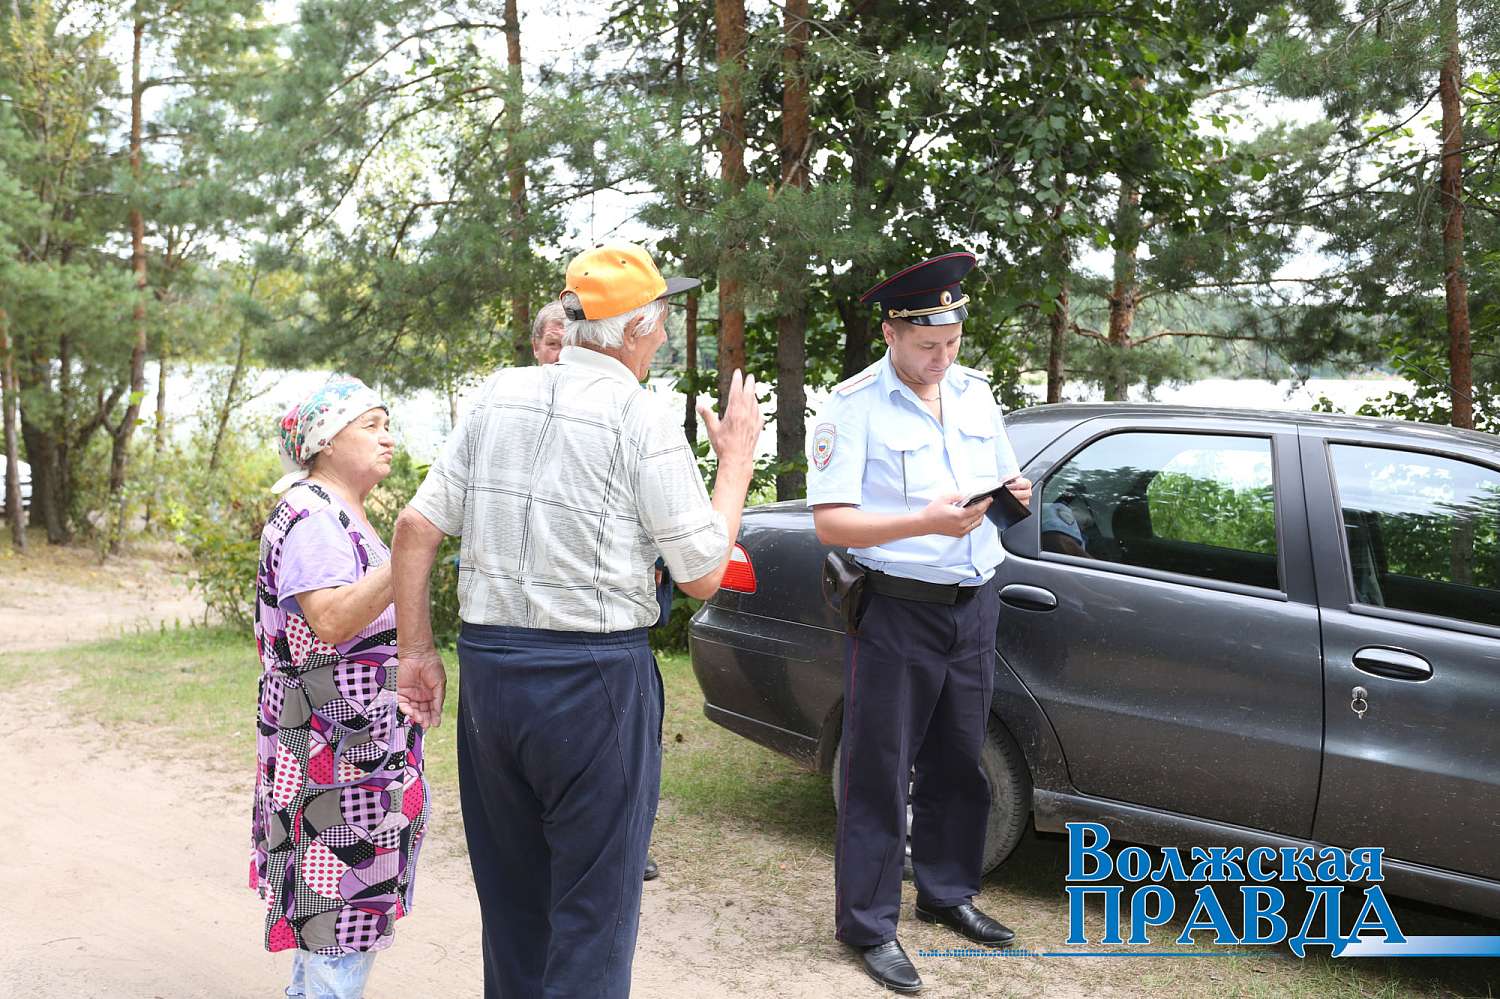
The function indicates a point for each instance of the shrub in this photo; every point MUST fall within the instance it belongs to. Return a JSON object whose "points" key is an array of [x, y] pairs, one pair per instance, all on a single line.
{"points": [[383, 507], [673, 636], [217, 515], [218, 518]]}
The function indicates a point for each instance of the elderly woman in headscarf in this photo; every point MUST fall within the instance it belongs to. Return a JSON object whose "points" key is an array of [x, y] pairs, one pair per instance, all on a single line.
{"points": [[340, 802]]}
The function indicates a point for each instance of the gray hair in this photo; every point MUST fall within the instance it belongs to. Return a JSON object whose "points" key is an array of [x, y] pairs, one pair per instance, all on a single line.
{"points": [[609, 332], [551, 314]]}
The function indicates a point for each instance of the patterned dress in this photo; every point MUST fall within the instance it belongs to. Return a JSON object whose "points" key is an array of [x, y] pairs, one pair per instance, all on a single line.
{"points": [[340, 801]]}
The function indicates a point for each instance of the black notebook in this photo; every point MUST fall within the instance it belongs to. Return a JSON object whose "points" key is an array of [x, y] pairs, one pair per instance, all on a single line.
{"points": [[1005, 510]]}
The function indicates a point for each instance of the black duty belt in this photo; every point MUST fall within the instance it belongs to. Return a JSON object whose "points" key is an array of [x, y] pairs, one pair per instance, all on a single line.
{"points": [[915, 589]]}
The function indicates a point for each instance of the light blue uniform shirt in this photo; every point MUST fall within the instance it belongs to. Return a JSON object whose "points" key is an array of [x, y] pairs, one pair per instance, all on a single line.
{"points": [[875, 446]]}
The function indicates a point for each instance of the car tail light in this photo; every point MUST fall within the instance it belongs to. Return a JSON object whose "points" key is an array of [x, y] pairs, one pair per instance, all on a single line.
{"points": [[739, 575]]}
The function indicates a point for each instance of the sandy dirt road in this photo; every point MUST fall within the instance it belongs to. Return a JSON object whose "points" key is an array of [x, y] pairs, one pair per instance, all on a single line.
{"points": [[124, 874], [59, 595], [124, 868]]}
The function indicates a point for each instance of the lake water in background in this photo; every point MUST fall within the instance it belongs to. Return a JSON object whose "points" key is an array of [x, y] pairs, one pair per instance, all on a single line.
{"points": [[421, 419]]}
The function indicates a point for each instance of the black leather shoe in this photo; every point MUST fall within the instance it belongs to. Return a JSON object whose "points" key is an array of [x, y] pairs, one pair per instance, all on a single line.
{"points": [[888, 964], [969, 921], [651, 871]]}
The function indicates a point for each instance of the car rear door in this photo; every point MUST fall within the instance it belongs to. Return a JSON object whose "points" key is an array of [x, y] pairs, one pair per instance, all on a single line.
{"points": [[1408, 576], [1177, 654]]}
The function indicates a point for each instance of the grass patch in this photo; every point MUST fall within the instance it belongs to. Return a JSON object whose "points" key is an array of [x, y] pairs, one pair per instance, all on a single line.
{"points": [[195, 686], [708, 771], [198, 686], [733, 812]]}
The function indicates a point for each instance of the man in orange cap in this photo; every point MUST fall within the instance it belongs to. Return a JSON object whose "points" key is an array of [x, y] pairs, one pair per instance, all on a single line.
{"points": [[547, 333], [565, 482]]}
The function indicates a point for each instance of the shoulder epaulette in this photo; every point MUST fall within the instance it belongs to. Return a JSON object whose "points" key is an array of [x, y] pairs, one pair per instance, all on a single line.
{"points": [[983, 376], [864, 379]]}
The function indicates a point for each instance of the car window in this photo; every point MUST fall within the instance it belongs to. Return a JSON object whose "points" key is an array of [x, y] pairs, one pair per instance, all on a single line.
{"points": [[1421, 531], [1196, 504]]}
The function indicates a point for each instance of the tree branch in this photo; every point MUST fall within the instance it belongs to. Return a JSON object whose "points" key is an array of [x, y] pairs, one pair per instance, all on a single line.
{"points": [[421, 33]]}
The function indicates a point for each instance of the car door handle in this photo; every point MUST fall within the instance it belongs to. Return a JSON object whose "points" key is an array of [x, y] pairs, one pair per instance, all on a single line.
{"points": [[1392, 663], [1028, 597]]}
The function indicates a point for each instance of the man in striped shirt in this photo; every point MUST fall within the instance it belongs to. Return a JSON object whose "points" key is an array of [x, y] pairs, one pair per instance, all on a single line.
{"points": [[564, 483]]}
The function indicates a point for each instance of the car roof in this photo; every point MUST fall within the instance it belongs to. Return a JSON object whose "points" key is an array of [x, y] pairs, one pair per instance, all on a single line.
{"points": [[1074, 413]]}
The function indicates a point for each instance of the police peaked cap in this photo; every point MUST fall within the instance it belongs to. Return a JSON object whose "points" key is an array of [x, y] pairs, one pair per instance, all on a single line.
{"points": [[927, 294]]}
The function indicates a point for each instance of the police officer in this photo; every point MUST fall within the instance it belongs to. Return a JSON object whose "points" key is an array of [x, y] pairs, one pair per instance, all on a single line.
{"points": [[893, 453]]}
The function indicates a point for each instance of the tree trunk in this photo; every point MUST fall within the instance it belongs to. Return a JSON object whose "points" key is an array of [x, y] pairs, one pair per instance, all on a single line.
{"points": [[241, 359], [865, 169], [791, 405], [791, 325], [1460, 349], [11, 405], [690, 324], [858, 335], [690, 419], [119, 458], [47, 445], [1124, 295], [729, 21], [159, 443], [49, 498], [520, 299], [1060, 321], [1057, 346]]}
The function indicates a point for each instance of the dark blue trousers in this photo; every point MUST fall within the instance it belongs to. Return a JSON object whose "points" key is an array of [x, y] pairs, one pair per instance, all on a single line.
{"points": [[559, 763], [918, 679]]}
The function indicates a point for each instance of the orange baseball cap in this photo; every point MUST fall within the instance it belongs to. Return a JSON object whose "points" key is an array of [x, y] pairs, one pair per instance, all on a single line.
{"points": [[612, 279]]}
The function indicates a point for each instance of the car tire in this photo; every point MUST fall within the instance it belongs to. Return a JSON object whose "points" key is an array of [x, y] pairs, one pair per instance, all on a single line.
{"points": [[1010, 795]]}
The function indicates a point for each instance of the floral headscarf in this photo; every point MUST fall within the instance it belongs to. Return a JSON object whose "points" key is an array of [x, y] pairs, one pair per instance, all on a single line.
{"points": [[308, 426]]}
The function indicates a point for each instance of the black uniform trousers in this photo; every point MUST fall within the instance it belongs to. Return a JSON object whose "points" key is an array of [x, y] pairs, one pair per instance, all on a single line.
{"points": [[918, 679], [559, 764]]}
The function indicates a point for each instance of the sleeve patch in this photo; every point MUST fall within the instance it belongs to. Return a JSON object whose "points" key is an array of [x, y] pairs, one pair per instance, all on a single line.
{"points": [[825, 436]]}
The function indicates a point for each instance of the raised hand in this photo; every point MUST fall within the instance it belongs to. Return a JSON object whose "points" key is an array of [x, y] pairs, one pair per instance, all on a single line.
{"points": [[734, 436]]}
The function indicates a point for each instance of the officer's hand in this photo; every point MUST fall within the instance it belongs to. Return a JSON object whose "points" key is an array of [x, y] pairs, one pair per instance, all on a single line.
{"points": [[944, 516], [1020, 488], [734, 436]]}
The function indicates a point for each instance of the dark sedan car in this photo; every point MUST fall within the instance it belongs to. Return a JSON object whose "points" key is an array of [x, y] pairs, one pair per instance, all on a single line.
{"points": [[1221, 627]]}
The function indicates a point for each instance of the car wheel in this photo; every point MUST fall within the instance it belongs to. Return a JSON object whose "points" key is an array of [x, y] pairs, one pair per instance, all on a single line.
{"points": [[1010, 795]]}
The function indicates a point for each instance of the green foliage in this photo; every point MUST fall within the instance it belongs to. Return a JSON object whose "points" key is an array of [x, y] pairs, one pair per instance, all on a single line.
{"points": [[360, 160], [673, 636], [1438, 548], [386, 502], [68, 290], [1365, 183], [217, 516], [1418, 358], [1207, 512]]}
